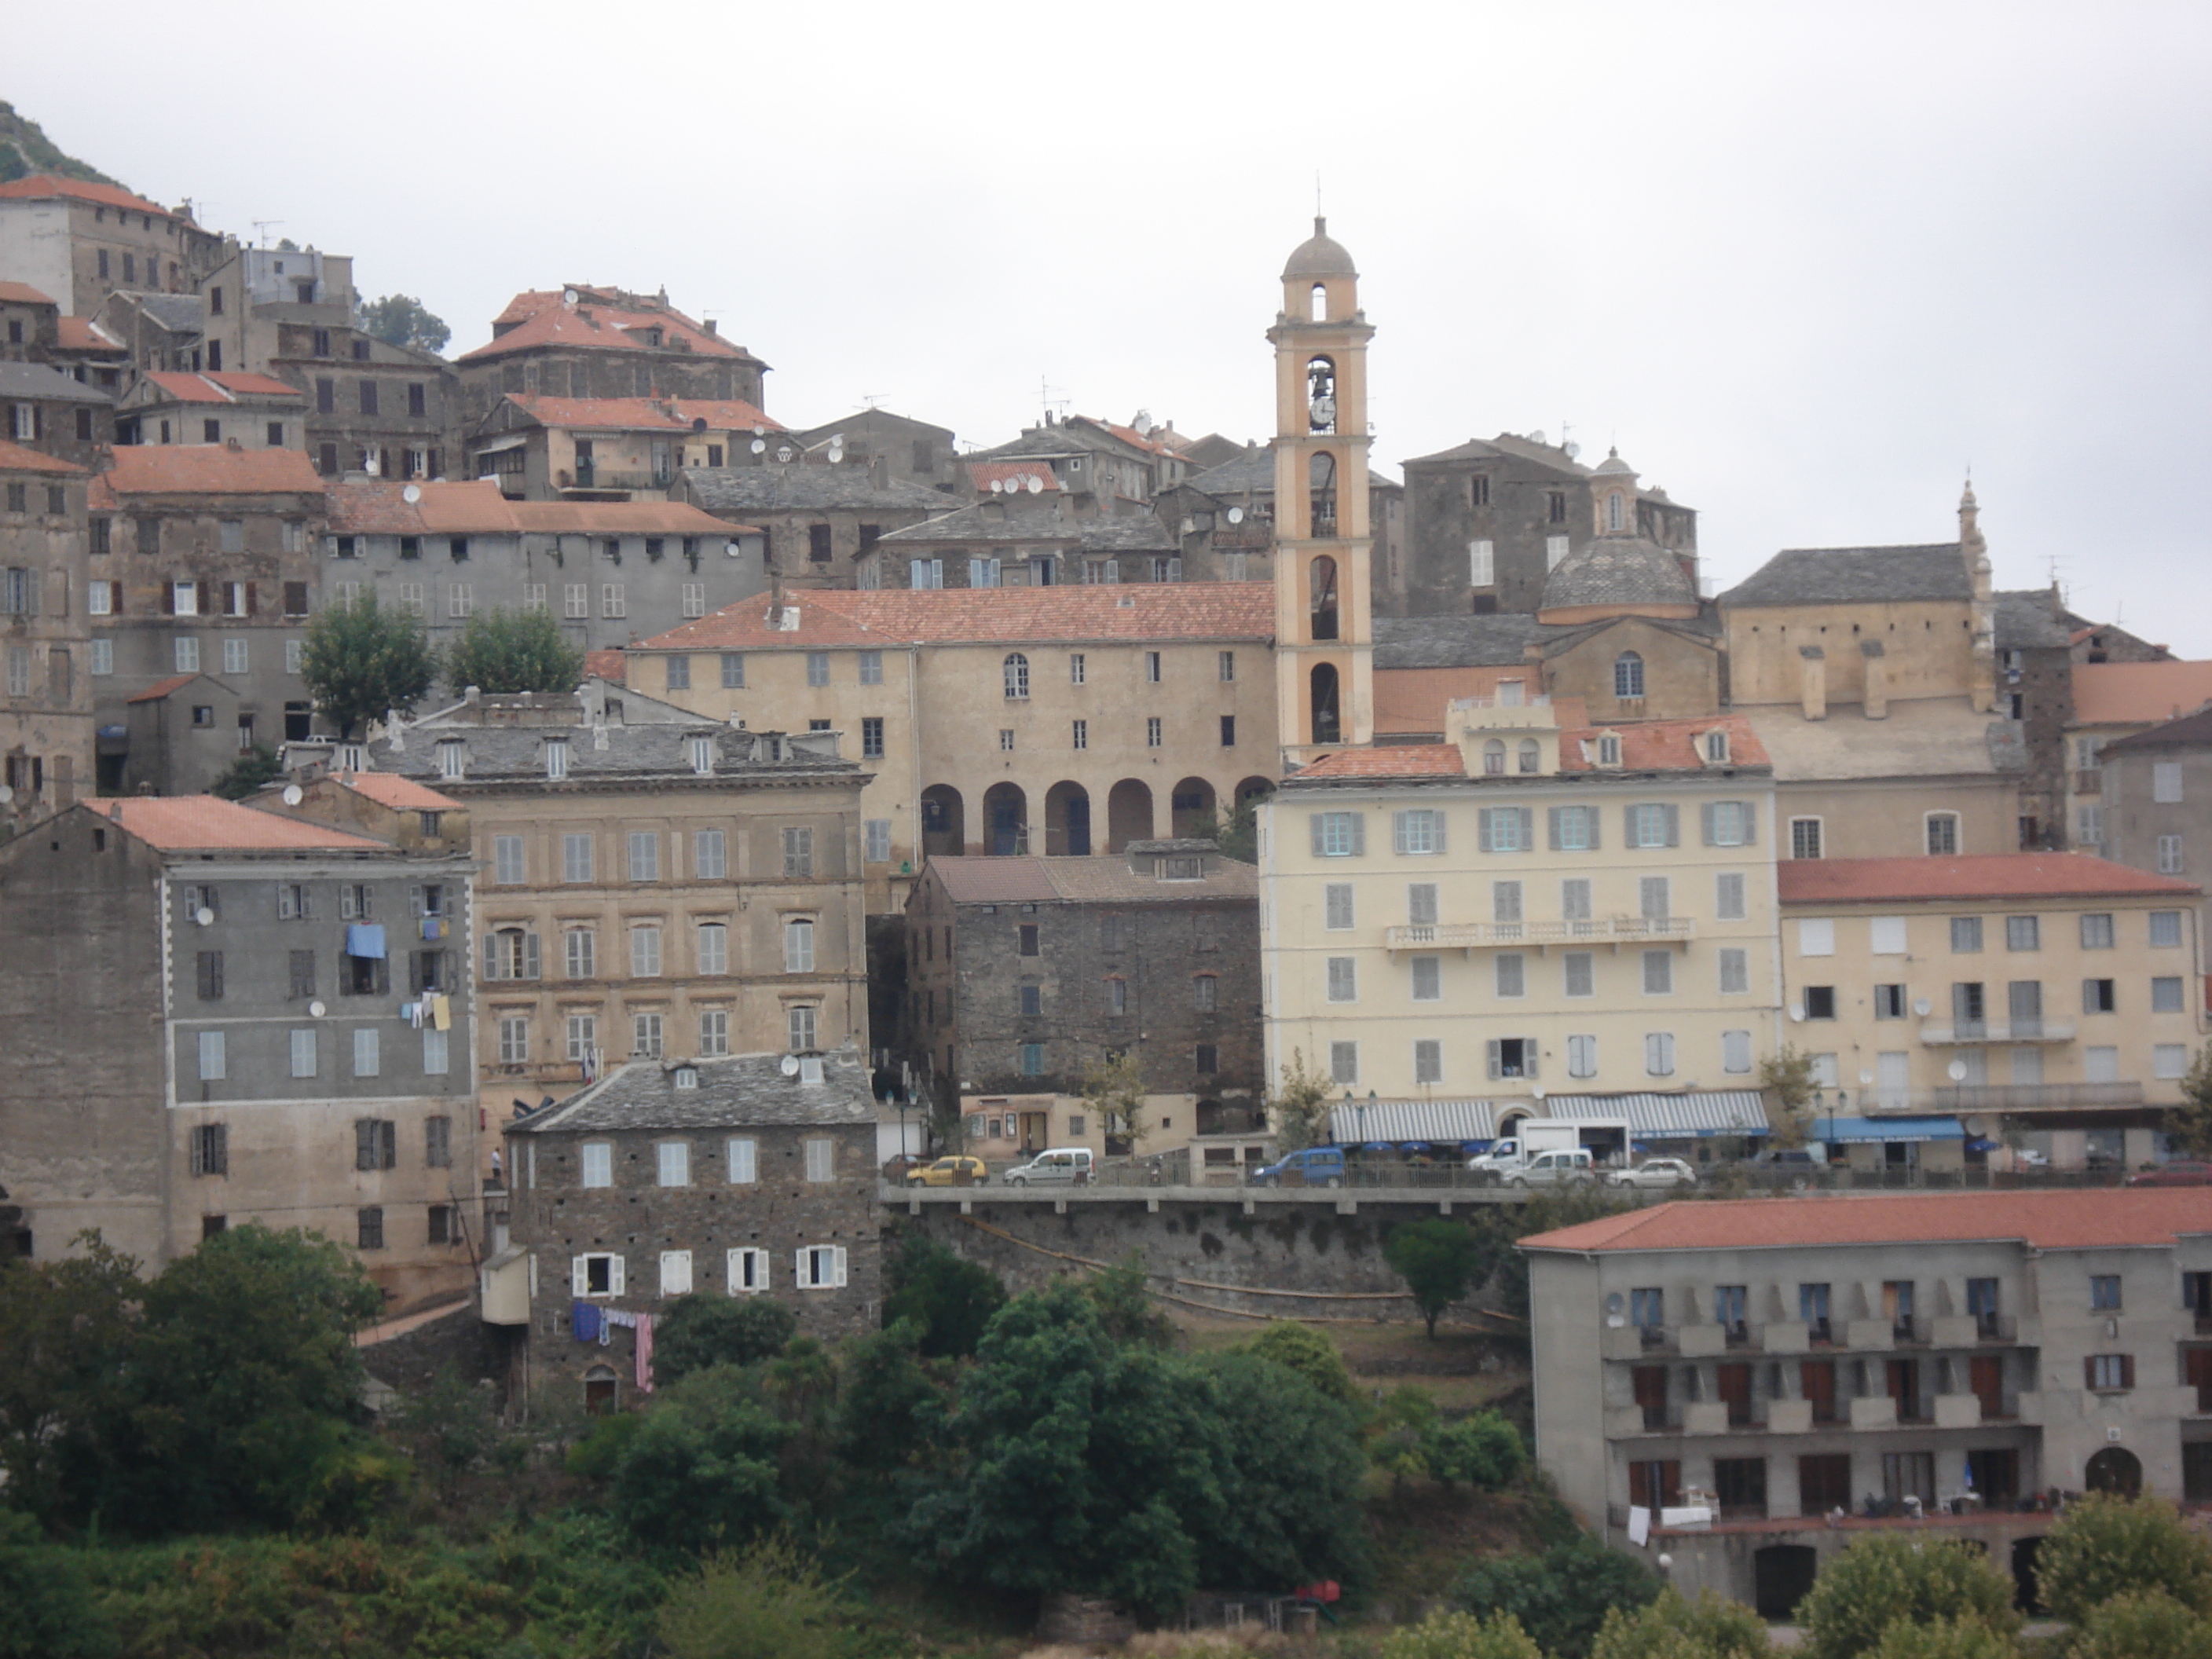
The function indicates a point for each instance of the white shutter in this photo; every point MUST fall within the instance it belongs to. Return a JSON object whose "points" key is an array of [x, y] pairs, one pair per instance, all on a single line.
{"points": [[802, 1269], [837, 1266], [676, 1273], [578, 1277], [615, 1276]]}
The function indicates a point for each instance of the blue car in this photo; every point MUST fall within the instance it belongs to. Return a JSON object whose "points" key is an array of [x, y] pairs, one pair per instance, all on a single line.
{"points": [[1316, 1166]]}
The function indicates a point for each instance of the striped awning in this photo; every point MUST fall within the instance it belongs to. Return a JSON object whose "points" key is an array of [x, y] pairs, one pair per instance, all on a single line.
{"points": [[1671, 1117], [1424, 1121], [1853, 1130]]}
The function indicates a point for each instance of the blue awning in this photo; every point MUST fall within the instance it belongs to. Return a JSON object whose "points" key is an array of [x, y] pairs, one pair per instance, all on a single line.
{"points": [[1853, 1131]]}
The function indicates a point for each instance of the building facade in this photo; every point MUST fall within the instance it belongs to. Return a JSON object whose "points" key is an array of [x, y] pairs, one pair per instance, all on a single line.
{"points": [[2114, 700], [543, 447], [262, 1051], [45, 700], [79, 242], [819, 522], [2153, 809], [1749, 1386]]}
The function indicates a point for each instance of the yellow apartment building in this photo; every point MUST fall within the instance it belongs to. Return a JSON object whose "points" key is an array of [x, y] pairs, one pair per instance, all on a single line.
{"points": [[2050, 1001], [1001, 721], [1525, 909]]}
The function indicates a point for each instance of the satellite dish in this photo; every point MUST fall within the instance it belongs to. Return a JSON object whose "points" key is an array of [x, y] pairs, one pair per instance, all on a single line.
{"points": [[1616, 1303], [998, 486], [411, 495], [836, 455], [569, 296], [294, 795], [1797, 1011], [7, 793], [1237, 515], [1037, 484], [316, 1011], [1956, 1071], [732, 548], [760, 444], [1865, 1077], [789, 1066], [1535, 1094], [205, 916], [1974, 1126], [1922, 1006]]}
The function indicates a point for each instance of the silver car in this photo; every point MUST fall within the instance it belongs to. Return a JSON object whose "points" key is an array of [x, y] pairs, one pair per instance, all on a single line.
{"points": [[1654, 1172], [1555, 1169]]}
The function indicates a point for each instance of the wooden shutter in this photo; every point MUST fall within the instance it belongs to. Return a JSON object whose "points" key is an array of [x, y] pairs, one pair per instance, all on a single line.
{"points": [[1314, 822], [1552, 826], [1437, 830], [1527, 815], [253, 602], [1398, 832], [1750, 810], [1529, 1057], [364, 1143], [1495, 1063], [1358, 834], [2127, 1371], [491, 956], [579, 1276], [1674, 825], [1706, 814], [1486, 837], [837, 1266], [530, 956], [616, 1282]]}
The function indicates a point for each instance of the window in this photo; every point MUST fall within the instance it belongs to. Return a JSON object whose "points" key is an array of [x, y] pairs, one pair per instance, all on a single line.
{"points": [[822, 1267], [2169, 854], [2169, 1061], [1574, 828], [747, 1267], [375, 1142], [187, 657], [1154, 736], [1014, 676], [2099, 996], [1228, 730], [2109, 1372], [596, 1273], [1578, 971], [799, 945], [582, 1033], [576, 600], [1889, 1002], [1513, 1057], [673, 1159], [1344, 1062], [510, 953], [2165, 928], [1659, 1054], [876, 841], [2096, 931], [433, 1051], [1226, 665], [2166, 994], [798, 851], [209, 975], [611, 603], [679, 672], [1075, 668], [368, 1233], [2023, 934], [1729, 824], [1418, 832], [210, 1144], [1965, 935], [1654, 824], [1027, 939], [1505, 829], [1338, 835], [926, 573], [513, 1039], [1582, 1055], [1628, 675], [1005, 739], [1152, 667], [713, 947], [212, 1057], [1510, 974], [507, 860], [1942, 834], [645, 950], [1428, 978], [1658, 973], [1482, 556], [1820, 1002], [1727, 897], [303, 1052], [438, 1143], [1804, 838], [1816, 937], [644, 855], [645, 1034], [1336, 906], [1343, 979], [1735, 1052], [2166, 782], [1117, 995], [1421, 904], [1654, 895]]}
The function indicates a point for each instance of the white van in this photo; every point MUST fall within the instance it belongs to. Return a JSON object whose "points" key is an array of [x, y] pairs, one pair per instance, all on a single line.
{"points": [[1555, 1169], [1060, 1166]]}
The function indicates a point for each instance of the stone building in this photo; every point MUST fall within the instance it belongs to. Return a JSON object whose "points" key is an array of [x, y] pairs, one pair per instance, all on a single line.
{"points": [[2116, 700], [714, 1176], [1487, 522], [1526, 905], [1224, 519], [1044, 539], [1111, 462], [29, 323], [2035, 690], [656, 884], [156, 331], [1751, 1386], [1023, 975], [895, 449], [45, 409], [819, 523], [210, 1024], [256, 411], [589, 341], [1890, 975], [45, 699], [544, 447], [2153, 814], [79, 242], [200, 562]]}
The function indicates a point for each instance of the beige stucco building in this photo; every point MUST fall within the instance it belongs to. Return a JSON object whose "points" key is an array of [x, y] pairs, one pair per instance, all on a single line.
{"points": [[45, 699], [1525, 908], [2049, 1000]]}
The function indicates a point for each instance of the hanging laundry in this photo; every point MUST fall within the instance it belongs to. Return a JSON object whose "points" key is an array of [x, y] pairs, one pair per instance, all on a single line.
{"points": [[645, 1352], [623, 1317], [365, 938], [584, 1320], [441, 1012], [432, 928]]}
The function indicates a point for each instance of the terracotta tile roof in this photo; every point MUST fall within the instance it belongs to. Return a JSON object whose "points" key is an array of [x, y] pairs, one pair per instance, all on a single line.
{"points": [[1664, 746], [1413, 699], [161, 688], [2083, 1218], [389, 789], [642, 414], [609, 665], [380, 508], [208, 469], [995, 881], [983, 474], [43, 186], [14, 458], [1984, 875], [83, 334], [207, 823], [2115, 693], [1165, 611], [1421, 759], [22, 294], [188, 388], [599, 321], [620, 518], [749, 625], [255, 386]]}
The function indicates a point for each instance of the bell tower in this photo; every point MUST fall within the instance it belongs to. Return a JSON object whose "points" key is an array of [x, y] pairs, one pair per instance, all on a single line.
{"points": [[1324, 641]]}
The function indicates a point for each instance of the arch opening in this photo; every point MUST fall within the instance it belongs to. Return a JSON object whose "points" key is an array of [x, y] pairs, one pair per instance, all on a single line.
{"points": [[1128, 814], [1006, 820], [1317, 304], [2116, 1470], [1192, 808], [1328, 726], [1321, 485], [1628, 675], [1321, 395], [1067, 819], [944, 822], [1781, 1575], [1015, 672], [1321, 598]]}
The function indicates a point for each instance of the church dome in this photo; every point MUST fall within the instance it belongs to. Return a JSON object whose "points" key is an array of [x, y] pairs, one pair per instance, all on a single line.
{"points": [[1318, 256], [1613, 466], [1619, 572]]}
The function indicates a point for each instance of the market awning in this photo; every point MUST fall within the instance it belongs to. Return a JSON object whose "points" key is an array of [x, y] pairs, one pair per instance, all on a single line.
{"points": [[1849, 1131], [1421, 1120], [1695, 1116]]}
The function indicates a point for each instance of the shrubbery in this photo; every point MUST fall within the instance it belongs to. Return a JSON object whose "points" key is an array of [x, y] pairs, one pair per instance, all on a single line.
{"points": [[1880, 1580]]}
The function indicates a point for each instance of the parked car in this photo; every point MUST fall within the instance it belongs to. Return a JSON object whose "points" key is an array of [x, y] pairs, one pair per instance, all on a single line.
{"points": [[2181, 1172], [1661, 1172], [949, 1172], [1556, 1168], [1316, 1166], [1788, 1158], [1060, 1166]]}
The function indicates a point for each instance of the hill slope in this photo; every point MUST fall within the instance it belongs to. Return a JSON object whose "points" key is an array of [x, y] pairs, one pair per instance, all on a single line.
{"points": [[25, 150]]}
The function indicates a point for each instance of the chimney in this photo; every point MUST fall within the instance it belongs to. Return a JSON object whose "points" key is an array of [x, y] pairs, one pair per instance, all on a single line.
{"points": [[711, 326], [1813, 677], [1875, 704]]}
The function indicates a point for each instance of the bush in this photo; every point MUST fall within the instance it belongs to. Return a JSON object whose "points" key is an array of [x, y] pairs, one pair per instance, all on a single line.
{"points": [[2142, 1624], [48, 1610], [1561, 1597], [769, 1602], [1483, 1450], [1440, 1260], [952, 1299], [1312, 1355], [1946, 1639], [2104, 1547], [1711, 1627], [1879, 1581], [703, 1330], [1462, 1635], [701, 1469]]}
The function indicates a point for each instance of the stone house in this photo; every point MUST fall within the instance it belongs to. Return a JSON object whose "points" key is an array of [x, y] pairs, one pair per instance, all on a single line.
{"points": [[256, 411], [46, 697], [820, 523], [543, 447], [200, 562], [1102, 459], [1750, 1386], [156, 331], [724, 1176], [210, 1024], [80, 241], [894, 448], [1021, 539], [1024, 974], [2156, 786], [2116, 700], [43, 408], [1889, 970]]}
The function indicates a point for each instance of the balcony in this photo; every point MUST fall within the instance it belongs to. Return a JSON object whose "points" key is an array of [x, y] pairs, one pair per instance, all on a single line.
{"points": [[1705, 1417], [1953, 1033], [1479, 935], [1703, 1341], [2036, 1096], [2089, 780], [1873, 1411], [1637, 1341], [1958, 1411], [1789, 1417]]}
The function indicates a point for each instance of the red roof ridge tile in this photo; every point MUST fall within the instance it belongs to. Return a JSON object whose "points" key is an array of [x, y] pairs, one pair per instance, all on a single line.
{"points": [[1957, 877]]}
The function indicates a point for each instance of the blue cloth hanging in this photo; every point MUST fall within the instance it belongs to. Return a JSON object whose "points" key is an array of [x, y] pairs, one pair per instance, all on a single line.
{"points": [[584, 1320], [365, 938]]}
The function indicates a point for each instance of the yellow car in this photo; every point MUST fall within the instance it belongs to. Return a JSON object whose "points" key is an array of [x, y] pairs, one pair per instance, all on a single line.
{"points": [[949, 1172]]}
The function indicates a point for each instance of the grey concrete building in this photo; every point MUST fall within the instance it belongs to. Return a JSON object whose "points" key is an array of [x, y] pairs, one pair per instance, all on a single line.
{"points": [[744, 1174], [1024, 973], [819, 522], [213, 1019], [1749, 1386], [157, 330], [1046, 539], [2157, 802]]}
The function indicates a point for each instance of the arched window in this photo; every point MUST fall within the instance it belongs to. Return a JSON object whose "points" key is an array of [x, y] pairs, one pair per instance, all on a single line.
{"points": [[1494, 758], [1321, 395], [1612, 513], [1320, 577], [1318, 303], [1327, 726], [1628, 675], [1320, 474], [1016, 670], [1531, 754]]}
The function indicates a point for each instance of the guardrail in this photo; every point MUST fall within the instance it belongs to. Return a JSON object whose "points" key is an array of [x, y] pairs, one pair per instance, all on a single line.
{"points": [[1720, 1180], [1598, 930]]}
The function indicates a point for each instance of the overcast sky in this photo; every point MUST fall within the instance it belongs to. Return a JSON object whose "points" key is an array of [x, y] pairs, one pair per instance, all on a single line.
{"points": [[1804, 263]]}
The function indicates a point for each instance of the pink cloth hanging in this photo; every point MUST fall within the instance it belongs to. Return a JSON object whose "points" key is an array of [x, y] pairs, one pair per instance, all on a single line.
{"points": [[645, 1352]]}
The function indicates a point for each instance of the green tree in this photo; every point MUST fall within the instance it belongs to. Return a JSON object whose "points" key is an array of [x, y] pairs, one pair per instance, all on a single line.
{"points": [[1298, 1111], [2142, 1624], [703, 1330], [67, 1329], [1438, 1259], [1881, 1579], [1965, 1637], [399, 320], [449, 1427], [501, 651], [890, 1409], [1711, 1627], [1125, 1305], [2104, 1546], [769, 1602], [1237, 832], [700, 1470], [1312, 1355], [1482, 1450], [258, 766], [1787, 1080], [1289, 1468], [1115, 1093], [51, 1610], [949, 1297], [360, 660], [1460, 1636], [2190, 1122], [1561, 1597]]}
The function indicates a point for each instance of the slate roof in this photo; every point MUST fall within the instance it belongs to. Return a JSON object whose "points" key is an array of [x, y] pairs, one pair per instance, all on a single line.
{"points": [[201, 824], [804, 489], [40, 380], [633, 754], [1855, 575], [1099, 878], [2190, 731], [14, 458], [2025, 621], [642, 414], [2083, 1218], [2110, 693], [207, 469], [1497, 640], [1619, 570], [1249, 474], [180, 313], [1999, 876], [735, 1091], [1022, 517], [1509, 445]]}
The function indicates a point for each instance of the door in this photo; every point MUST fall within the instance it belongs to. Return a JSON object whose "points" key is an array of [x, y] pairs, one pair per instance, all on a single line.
{"points": [[1909, 1474], [1824, 1483], [1781, 1575], [1894, 1081], [1655, 1486], [1650, 1383], [1985, 1378], [1078, 826], [1819, 1380], [1994, 1472], [1733, 1384], [2197, 1372], [2024, 1005], [1902, 1378], [2116, 1470], [1033, 1135]]}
